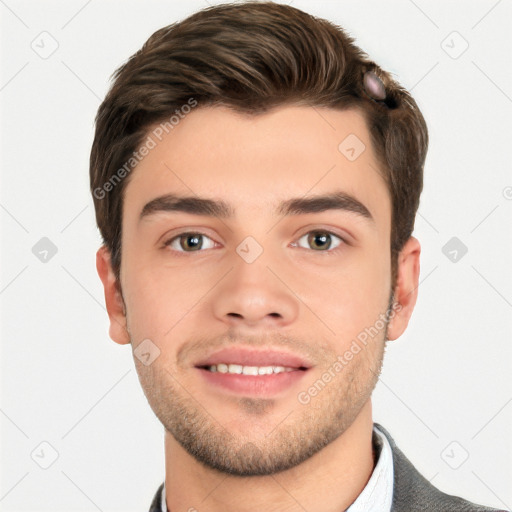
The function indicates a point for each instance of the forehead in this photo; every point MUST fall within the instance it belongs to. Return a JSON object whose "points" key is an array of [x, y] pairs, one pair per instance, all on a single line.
{"points": [[256, 162]]}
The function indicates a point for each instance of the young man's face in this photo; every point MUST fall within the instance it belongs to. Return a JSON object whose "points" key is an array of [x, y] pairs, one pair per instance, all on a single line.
{"points": [[261, 280]]}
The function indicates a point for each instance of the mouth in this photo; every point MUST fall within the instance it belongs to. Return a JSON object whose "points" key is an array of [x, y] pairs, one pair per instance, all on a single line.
{"points": [[254, 373], [238, 369], [240, 360]]}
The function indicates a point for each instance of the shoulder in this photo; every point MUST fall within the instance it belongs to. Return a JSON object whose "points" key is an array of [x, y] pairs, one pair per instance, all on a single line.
{"points": [[413, 492]]}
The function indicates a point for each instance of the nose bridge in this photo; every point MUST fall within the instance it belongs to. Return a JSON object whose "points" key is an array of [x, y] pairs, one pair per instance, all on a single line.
{"points": [[253, 291]]}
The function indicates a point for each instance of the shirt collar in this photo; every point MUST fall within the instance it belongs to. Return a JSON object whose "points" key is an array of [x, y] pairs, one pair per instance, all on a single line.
{"points": [[378, 492]]}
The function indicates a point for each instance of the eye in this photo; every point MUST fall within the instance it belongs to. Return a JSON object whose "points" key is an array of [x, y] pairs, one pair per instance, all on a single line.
{"points": [[190, 242], [321, 241]]}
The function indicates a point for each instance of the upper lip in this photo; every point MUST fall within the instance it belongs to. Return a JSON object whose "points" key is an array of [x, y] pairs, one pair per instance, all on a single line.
{"points": [[248, 357]]}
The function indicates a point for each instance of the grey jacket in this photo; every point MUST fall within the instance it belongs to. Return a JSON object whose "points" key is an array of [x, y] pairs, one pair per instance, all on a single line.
{"points": [[411, 491]]}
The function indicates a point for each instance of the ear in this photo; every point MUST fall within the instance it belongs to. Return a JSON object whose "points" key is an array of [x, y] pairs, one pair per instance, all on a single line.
{"points": [[406, 290], [113, 297]]}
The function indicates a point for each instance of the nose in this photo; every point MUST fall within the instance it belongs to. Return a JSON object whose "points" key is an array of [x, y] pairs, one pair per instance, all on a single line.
{"points": [[258, 294]]}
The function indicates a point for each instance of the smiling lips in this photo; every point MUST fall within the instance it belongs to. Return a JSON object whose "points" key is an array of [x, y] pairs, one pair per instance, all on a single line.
{"points": [[250, 372], [243, 361], [239, 369]]}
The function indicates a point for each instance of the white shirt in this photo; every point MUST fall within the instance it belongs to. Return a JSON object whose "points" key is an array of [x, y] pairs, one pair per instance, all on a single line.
{"points": [[378, 492]]}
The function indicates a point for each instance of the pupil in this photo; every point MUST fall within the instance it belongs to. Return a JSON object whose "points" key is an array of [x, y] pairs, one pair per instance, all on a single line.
{"points": [[192, 241], [322, 237]]}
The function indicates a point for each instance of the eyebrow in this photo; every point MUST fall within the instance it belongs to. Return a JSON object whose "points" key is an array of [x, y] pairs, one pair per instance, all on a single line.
{"points": [[337, 200]]}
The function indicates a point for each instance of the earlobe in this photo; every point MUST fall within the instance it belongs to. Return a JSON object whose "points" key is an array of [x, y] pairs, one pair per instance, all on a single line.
{"points": [[113, 298], [406, 290]]}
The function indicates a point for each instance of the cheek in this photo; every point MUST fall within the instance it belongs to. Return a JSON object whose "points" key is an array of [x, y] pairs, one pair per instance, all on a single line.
{"points": [[352, 297], [160, 301]]}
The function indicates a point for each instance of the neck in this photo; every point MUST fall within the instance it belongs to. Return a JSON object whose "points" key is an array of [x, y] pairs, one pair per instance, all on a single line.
{"points": [[336, 475]]}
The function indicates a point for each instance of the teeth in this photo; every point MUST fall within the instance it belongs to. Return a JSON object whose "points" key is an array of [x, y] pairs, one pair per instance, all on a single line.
{"points": [[235, 368], [248, 370], [222, 368]]}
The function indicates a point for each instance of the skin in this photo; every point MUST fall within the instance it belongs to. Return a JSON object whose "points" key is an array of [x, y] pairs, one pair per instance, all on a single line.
{"points": [[294, 296]]}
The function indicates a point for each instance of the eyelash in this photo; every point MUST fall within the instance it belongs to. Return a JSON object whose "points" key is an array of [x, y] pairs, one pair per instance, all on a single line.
{"points": [[322, 231]]}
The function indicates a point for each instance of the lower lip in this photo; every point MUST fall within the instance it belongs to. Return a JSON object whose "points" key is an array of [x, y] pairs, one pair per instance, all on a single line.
{"points": [[261, 385]]}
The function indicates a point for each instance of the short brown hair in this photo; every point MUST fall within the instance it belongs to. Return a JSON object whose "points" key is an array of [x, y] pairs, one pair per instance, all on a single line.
{"points": [[252, 57]]}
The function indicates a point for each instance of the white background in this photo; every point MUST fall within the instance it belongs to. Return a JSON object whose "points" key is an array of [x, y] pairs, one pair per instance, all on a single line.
{"points": [[63, 381]]}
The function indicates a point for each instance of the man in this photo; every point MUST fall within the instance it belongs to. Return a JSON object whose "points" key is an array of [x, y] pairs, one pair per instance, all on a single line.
{"points": [[256, 179]]}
